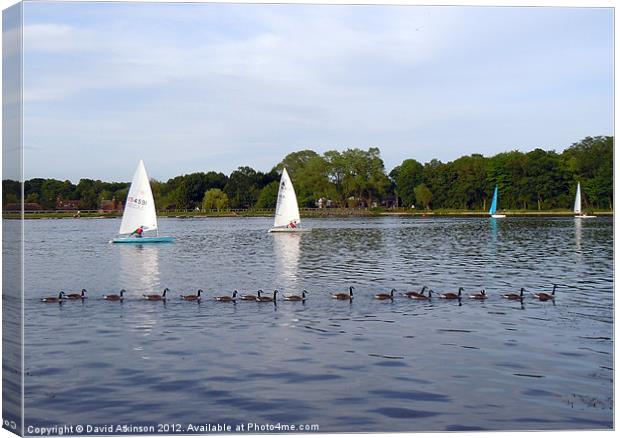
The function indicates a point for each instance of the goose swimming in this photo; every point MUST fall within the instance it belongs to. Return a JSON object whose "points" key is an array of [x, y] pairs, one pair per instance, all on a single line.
{"points": [[227, 298], [250, 297], [76, 296], [344, 296], [416, 295], [114, 297], [60, 297], [451, 295], [482, 295], [196, 297], [301, 297], [513, 296], [389, 296], [155, 297], [265, 299], [542, 296]]}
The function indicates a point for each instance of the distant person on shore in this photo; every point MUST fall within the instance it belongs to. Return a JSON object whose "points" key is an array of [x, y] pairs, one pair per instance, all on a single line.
{"points": [[138, 232]]}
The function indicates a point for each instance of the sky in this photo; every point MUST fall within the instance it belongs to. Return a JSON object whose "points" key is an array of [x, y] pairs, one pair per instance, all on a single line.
{"points": [[199, 87]]}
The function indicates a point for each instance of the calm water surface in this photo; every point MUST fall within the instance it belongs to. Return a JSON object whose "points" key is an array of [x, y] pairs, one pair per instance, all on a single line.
{"points": [[360, 366]]}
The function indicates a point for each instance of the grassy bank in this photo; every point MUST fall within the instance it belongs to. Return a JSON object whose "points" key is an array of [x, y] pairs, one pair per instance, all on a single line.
{"points": [[305, 213]]}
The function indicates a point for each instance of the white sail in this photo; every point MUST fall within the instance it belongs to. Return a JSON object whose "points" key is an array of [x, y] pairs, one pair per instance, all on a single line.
{"points": [[139, 207], [287, 210], [577, 208]]}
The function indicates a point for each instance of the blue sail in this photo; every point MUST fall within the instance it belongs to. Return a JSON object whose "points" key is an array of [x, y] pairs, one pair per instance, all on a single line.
{"points": [[494, 203]]}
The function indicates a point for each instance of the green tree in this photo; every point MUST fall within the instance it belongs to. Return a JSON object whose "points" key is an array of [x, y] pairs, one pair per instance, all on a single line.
{"points": [[268, 196], [215, 199], [32, 198], [406, 177], [590, 161], [309, 173], [423, 195], [243, 187]]}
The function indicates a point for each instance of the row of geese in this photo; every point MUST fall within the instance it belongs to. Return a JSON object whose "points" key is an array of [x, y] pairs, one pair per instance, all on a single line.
{"points": [[482, 295]]}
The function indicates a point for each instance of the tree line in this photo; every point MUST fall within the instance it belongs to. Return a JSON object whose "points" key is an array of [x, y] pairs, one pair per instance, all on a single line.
{"points": [[540, 179]]}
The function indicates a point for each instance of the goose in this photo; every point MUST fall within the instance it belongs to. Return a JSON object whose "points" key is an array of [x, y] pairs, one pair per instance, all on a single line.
{"points": [[115, 297], [156, 297], [513, 296], [452, 295], [233, 298], [542, 296], [192, 297], [251, 297], [344, 296], [264, 299], [76, 296], [296, 297], [482, 295], [60, 297], [389, 296], [416, 295]]}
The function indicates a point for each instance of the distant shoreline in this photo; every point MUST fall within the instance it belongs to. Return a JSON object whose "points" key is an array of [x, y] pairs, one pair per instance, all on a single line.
{"points": [[310, 213]]}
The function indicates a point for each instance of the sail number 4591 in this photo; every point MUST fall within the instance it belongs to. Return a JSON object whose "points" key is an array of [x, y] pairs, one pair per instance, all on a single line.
{"points": [[138, 201]]}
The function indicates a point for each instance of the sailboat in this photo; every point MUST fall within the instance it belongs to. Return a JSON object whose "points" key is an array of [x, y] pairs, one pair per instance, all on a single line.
{"points": [[577, 209], [493, 209], [140, 211], [287, 218]]}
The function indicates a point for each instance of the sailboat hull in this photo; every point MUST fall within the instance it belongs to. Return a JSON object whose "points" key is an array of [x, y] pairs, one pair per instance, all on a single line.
{"points": [[287, 230], [584, 216], [141, 240], [498, 216]]}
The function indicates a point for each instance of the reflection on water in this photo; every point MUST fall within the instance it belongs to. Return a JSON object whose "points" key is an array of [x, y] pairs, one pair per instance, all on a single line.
{"points": [[139, 268], [578, 236], [286, 250], [363, 365], [494, 227]]}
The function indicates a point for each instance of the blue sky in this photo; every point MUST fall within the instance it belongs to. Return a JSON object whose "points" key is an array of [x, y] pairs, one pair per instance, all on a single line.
{"points": [[196, 87]]}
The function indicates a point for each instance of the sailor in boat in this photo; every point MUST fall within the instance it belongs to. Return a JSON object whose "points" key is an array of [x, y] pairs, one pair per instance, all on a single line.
{"points": [[138, 232], [292, 224]]}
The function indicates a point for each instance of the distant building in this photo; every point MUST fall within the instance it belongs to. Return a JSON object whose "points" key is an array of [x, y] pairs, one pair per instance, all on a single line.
{"points": [[28, 206], [110, 205], [324, 203], [67, 204]]}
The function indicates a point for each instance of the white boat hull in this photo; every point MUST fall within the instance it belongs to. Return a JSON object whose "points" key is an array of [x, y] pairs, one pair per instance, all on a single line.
{"points": [[584, 216], [498, 216], [287, 230]]}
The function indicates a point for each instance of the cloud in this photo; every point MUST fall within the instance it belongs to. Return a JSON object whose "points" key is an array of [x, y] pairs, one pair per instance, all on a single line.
{"points": [[225, 85]]}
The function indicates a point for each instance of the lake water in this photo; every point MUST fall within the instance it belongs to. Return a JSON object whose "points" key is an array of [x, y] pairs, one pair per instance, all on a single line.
{"points": [[364, 365]]}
